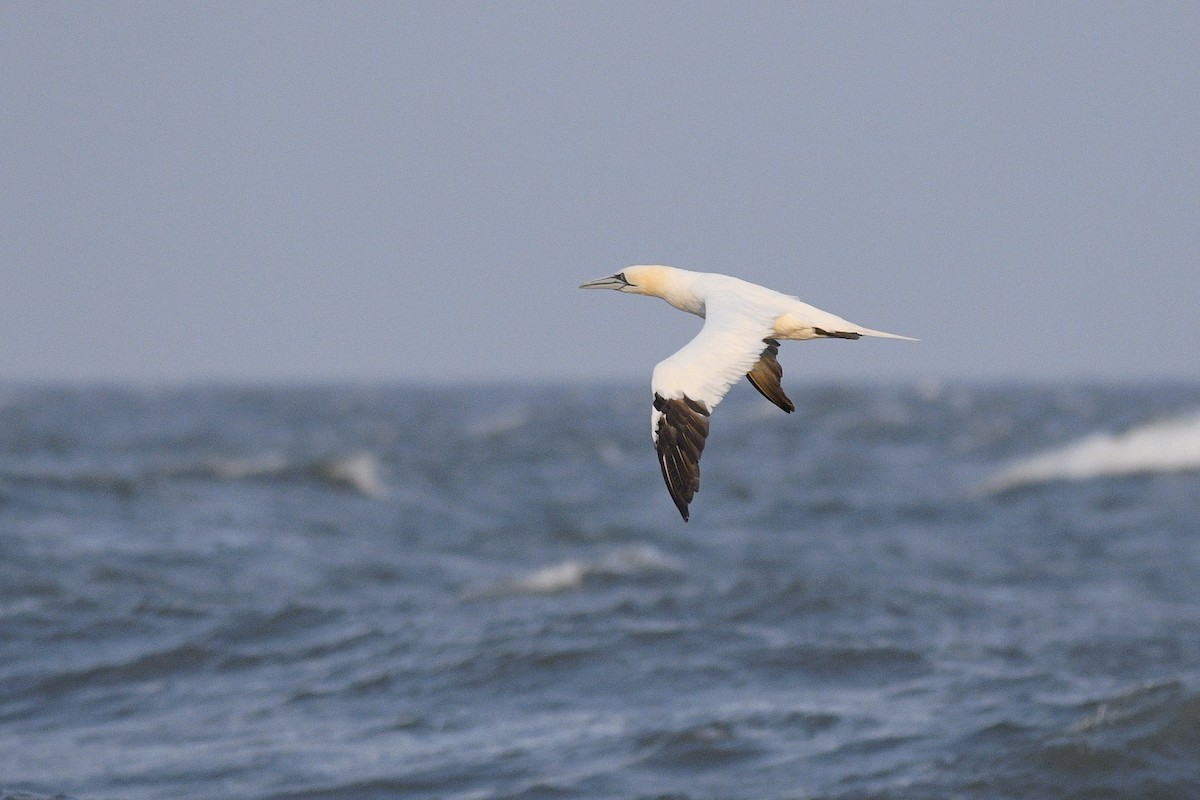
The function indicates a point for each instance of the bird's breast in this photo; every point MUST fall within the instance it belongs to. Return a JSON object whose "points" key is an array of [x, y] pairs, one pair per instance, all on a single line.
{"points": [[690, 304]]}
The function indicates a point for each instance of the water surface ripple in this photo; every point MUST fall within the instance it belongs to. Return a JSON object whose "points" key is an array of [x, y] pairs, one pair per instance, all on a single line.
{"points": [[485, 592]]}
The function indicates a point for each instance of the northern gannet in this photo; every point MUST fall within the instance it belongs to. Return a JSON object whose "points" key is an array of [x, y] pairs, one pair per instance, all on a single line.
{"points": [[743, 323]]}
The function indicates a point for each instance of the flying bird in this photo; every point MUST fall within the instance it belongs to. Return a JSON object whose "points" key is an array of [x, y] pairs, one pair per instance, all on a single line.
{"points": [[743, 323]]}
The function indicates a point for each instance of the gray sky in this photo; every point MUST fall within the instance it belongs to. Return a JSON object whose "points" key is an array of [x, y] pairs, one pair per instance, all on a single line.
{"points": [[262, 191]]}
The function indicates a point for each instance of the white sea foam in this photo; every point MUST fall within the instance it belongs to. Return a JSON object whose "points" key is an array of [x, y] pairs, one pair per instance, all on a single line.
{"points": [[1166, 445], [568, 575], [358, 472], [556, 578]]}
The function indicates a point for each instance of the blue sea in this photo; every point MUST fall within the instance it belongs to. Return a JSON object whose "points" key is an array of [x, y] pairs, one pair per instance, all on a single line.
{"points": [[944, 591]]}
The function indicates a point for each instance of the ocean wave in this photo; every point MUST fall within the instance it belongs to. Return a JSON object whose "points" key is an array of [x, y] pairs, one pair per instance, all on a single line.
{"points": [[357, 472], [571, 574], [22, 794], [1121, 742], [1154, 717], [861, 663], [1161, 446], [702, 746], [95, 480], [142, 667]]}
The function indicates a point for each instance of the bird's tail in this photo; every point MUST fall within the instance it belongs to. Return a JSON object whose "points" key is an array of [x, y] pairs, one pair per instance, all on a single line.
{"points": [[883, 335]]}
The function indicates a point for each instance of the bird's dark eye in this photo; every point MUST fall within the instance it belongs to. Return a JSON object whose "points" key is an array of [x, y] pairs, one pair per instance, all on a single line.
{"points": [[621, 277]]}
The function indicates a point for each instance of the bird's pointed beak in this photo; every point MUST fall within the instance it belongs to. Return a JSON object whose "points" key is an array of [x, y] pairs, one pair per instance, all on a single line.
{"points": [[611, 282]]}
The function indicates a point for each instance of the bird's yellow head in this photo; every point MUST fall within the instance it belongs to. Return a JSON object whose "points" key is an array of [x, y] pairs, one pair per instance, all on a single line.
{"points": [[649, 280]]}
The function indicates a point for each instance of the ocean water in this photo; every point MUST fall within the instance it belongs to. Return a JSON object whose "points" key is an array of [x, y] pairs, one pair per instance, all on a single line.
{"points": [[931, 591]]}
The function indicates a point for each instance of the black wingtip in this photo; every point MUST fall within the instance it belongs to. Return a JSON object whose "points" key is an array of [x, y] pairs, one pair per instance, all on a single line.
{"points": [[679, 439], [680, 502]]}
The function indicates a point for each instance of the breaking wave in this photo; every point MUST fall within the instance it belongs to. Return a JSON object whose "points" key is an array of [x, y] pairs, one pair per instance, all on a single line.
{"points": [[571, 574], [1167, 445], [358, 473]]}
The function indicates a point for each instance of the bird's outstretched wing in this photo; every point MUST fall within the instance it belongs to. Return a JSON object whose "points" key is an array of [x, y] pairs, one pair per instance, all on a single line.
{"points": [[765, 376], [679, 434], [688, 385]]}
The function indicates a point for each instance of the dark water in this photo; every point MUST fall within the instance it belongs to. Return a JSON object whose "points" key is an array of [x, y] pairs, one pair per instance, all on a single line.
{"points": [[486, 593]]}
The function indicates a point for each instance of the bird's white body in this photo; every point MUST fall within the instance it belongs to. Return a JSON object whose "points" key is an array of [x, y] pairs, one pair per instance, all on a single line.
{"points": [[743, 322], [738, 316]]}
